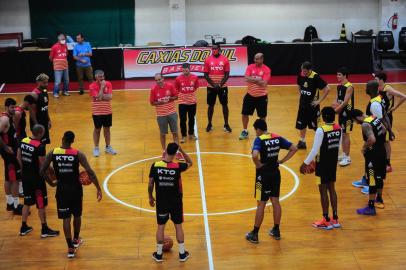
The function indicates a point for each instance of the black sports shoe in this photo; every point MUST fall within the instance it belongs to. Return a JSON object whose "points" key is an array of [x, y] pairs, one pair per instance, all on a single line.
{"points": [[227, 128], [209, 127], [157, 257], [275, 233], [252, 237], [183, 257], [301, 145], [10, 207], [19, 210], [25, 230], [71, 253], [81, 92], [48, 233]]}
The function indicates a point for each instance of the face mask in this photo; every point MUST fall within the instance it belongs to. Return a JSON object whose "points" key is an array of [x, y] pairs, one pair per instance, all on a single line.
{"points": [[216, 52], [62, 41]]}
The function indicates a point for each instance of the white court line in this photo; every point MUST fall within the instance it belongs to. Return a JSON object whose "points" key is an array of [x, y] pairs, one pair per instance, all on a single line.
{"points": [[204, 206], [2, 86]]}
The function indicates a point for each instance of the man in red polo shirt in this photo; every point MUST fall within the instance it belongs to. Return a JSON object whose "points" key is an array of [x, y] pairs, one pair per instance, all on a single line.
{"points": [[257, 76], [216, 72], [186, 85], [163, 96], [59, 58], [101, 92]]}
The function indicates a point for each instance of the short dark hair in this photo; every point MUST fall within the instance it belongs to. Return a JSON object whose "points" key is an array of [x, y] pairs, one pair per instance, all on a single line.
{"points": [[69, 136], [172, 148], [216, 44], [344, 71], [9, 102], [37, 129], [260, 124], [356, 113], [382, 76], [328, 114], [372, 87], [81, 35], [306, 65], [185, 65], [30, 99]]}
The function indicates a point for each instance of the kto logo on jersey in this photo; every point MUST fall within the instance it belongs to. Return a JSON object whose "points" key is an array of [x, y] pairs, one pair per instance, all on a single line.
{"points": [[27, 147], [166, 171], [334, 134], [306, 93], [272, 142], [65, 158]]}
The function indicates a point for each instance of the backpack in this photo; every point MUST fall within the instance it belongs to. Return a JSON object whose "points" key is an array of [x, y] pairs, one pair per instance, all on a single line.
{"points": [[249, 40], [310, 33], [201, 43]]}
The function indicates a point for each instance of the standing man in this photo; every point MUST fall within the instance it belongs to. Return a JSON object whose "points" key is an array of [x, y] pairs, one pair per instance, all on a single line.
{"points": [[186, 85], [82, 53], [59, 58], [101, 92], [31, 155], [8, 150], [374, 152], [69, 191], [343, 106], [308, 115], [163, 96], [216, 73], [268, 178], [257, 76], [165, 176], [20, 124], [326, 147]]}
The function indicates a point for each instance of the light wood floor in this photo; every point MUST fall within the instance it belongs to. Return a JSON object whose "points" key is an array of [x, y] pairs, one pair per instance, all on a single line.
{"points": [[119, 237]]}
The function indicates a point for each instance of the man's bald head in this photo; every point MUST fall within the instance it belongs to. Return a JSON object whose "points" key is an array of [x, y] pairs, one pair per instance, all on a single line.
{"points": [[38, 131], [259, 59]]}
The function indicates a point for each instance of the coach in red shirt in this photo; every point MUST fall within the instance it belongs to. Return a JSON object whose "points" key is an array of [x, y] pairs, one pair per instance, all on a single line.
{"points": [[59, 58], [257, 76], [216, 72]]}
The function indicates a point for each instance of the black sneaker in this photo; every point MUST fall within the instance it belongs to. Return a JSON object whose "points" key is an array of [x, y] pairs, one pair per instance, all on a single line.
{"points": [[25, 230], [209, 127], [157, 257], [81, 92], [10, 207], [183, 257], [275, 233], [252, 237], [301, 145], [227, 128], [71, 253], [48, 233], [19, 210]]}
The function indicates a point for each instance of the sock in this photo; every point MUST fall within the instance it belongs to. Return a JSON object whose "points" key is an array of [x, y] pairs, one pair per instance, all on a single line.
{"points": [[44, 226], [181, 248], [326, 217], [335, 214], [379, 197], [107, 146], [9, 199], [255, 230], [24, 224], [276, 226], [69, 242], [159, 248], [20, 187], [371, 203], [76, 235], [302, 139], [15, 201], [388, 161], [245, 130]]}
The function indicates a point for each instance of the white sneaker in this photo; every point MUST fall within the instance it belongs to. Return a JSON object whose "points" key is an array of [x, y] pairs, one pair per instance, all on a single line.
{"points": [[340, 157], [345, 161], [110, 150], [56, 96], [183, 140], [96, 152]]}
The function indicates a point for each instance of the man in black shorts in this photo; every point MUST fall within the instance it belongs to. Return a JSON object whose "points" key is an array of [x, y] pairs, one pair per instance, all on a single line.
{"points": [[165, 175], [268, 178], [308, 115], [325, 149], [31, 155], [69, 191]]}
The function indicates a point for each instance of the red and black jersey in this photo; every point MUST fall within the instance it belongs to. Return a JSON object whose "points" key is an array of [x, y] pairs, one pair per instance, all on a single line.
{"points": [[31, 151], [42, 107], [10, 138], [66, 166], [20, 129]]}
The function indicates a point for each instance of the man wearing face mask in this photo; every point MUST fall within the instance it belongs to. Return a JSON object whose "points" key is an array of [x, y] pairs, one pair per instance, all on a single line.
{"points": [[59, 58], [216, 72]]}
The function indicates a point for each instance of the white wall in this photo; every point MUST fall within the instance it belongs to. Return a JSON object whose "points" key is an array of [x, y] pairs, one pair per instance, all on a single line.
{"points": [[15, 17]]}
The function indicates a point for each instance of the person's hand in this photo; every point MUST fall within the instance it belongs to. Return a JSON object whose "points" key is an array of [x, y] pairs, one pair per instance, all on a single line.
{"points": [[259, 166], [315, 103], [99, 195], [9, 150], [54, 183], [83, 61], [152, 201], [49, 124], [391, 136]]}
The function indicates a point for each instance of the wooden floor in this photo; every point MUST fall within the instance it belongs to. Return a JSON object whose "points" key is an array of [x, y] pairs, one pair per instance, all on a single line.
{"points": [[120, 237]]}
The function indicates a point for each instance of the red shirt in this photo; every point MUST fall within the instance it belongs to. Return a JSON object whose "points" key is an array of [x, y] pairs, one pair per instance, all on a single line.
{"points": [[186, 86], [100, 107], [216, 67], [59, 55], [262, 72], [163, 94]]}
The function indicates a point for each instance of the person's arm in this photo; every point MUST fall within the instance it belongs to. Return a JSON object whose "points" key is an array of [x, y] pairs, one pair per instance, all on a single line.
{"points": [[152, 100], [150, 191], [90, 53], [44, 167], [109, 94], [400, 96], [187, 157], [16, 121], [85, 164], [289, 155], [318, 140], [369, 134], [325, 91], [209, 80], [255, 159], [225, 78], [20, 162], [348, 95], [174, 94], [376, 109], [4, 126], [75, 53], [51, 54]]}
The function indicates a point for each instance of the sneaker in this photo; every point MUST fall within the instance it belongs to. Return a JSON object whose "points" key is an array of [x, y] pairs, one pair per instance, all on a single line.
{"points": [[275, 233], [340, 157], [379, 204], [157, 257], [77, 242], [21, 194], [252, 237], [183, 140], [183, 257], [345, 161], [96, 152], [389, 169], [48, 233], [360, 183], [335, 223], [179, 156], [243, 135], [71, 253], [81, 92], [192, 137], [25, 230], [227, 128], [19, 210], [56, 96], [367, 211], [209, 127], [10, 207], [110, 150], [365, 190], [323, 224], [301, 145], [66, 94]]}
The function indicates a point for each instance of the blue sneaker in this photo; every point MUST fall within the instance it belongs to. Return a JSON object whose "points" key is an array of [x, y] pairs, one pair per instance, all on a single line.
{"points": [[365, 190], [367, 211], [360, 183]]}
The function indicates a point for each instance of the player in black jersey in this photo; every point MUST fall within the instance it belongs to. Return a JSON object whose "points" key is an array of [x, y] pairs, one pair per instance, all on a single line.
{"points": [[373, 133], [31, 155], [325, 149], [308, 115], [165, 176], [265, 153], [69, 191]]}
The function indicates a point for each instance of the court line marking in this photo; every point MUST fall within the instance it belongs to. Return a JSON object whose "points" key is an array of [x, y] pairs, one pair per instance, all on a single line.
{"points": [[2, 86], [108, 177], [204, 205]]}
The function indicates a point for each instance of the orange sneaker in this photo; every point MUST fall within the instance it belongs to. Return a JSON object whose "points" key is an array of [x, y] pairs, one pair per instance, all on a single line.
{"points": [[323, 224], [335, 223]]}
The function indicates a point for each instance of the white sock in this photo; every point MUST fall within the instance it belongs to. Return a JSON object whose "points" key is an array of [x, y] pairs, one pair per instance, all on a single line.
{"points": [[302, 139], [20, 187], [159, 248], [9, 199], [245, 130], [15, 201], [181, 248]]}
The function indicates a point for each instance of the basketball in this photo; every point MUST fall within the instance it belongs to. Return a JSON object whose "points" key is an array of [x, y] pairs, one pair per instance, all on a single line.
{"points": [[84, 178], [168, 244]]}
